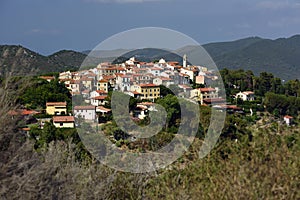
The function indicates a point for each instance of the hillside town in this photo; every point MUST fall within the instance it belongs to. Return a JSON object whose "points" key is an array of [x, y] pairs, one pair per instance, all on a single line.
{"points": [[140, 80]]}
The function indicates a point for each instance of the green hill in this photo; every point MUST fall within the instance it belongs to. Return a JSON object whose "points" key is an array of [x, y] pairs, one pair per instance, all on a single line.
{"points": [[280, 57], [18, 60]]}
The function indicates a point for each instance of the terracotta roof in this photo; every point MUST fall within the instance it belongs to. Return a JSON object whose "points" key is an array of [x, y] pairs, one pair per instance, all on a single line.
{"points": [[47, 77], [109, 77], [148, 85], [74, 81], [25, 129], [63, 119], [181, 74], [166, 79], [56, 104], [233, 107], [101, 91], [248, 92], [103, 81], [146, 103], [86, 79], [22, 112], [173, 62], [288, 117], [101, 108], [214, 100], [135, 92], [86, 92], [207, 90], [84, 107], [157, 68], [100, 98], [184, 86]]}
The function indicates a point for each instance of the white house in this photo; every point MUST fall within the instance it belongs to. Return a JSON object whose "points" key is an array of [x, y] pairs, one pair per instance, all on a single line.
{"points": [[86, 112], [98, 97], [123, 82], [63, 121], [245, 96], [200, 94], [288, 119], [163, 81]]}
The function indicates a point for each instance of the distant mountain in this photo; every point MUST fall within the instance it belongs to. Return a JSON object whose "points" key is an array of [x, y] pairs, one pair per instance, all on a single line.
{"points": [[67, 58], [149, 55], [18, 60], [280, 57], [107, 53]]}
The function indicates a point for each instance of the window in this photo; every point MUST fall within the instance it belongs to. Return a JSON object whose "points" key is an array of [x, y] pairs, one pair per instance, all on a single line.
{"points": [[61, 124]]}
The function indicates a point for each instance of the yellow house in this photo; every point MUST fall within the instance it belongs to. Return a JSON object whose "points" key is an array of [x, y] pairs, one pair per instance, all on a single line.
{"points": [[56, 108], [63, 121], [204, 93], [147, 91], [103, 85]]}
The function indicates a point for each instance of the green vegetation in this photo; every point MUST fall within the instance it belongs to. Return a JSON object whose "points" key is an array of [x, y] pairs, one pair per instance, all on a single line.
{"points": [[256, 157], [35, 97]]}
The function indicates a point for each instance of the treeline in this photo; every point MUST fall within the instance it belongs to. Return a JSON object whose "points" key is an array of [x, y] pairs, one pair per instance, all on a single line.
{"points": [[279, 104], [240, 80], [42, 91]]}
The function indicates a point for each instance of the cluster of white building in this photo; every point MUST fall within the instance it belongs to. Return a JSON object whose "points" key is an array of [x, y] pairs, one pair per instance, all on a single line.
{"points": [[140, 80]]}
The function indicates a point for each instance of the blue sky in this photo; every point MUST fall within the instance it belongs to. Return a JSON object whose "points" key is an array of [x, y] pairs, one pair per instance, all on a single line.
{"points": [[48, 26]]}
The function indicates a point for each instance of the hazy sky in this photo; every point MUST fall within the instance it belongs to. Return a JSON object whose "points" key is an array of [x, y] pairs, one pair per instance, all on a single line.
{"points": [[47, 26]]}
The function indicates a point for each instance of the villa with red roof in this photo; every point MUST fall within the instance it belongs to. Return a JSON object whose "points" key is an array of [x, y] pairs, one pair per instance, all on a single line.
{"points": [[63, 121], [56, 108], [245, 96], [200, 94]]}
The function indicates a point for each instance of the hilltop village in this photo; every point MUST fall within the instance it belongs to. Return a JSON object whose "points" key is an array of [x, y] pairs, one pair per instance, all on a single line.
{"points": [[139, 80], [86, 94]]}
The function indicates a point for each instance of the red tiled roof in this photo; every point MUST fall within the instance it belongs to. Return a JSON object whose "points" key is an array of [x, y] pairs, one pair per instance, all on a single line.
{"points": [[207, 89], [47, 77], [184, 86], [84, 107], [156, 68], [100, 98], [101, 108], [248, 92], [86, 79], [108, 77], [148, 85], [101, 91], [135, 92], [214, 100], [22, 112], [103, 81], [288, 117], [63, 119], [25, 129], [56, 104], [146, 103]]}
